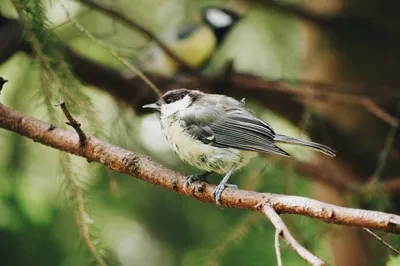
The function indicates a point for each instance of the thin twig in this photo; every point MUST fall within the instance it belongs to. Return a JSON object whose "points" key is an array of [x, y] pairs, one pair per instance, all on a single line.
{"points": [[289, 167], [348, 98], [277, 247], [355, 89], [133, 24], [379, 112], [73, 123], [383, 155], [111, 51], [236, 233], [305, 92], [382, 241], [281, 228], [81, 219], [81, 216], [319, 173], [44, 68]]}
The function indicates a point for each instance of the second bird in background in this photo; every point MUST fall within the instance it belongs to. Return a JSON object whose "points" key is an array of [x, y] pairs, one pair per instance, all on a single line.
{"points": [[194, 43]]}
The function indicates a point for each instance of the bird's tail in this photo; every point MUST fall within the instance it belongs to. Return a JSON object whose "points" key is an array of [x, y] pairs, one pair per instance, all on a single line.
{"points": [[316, 146]]}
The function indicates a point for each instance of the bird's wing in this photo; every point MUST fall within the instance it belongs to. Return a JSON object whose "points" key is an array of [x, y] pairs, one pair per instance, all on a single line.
{"points": [[238, 129]]}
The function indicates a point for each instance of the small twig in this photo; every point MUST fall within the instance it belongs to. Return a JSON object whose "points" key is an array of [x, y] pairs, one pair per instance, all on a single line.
{"points": [[111, 51], [383, 155], [81, 218], [133, 24], [236, 233], [308, 89], [281, 228], [289, 167], [73, 123], [83, 221], [382, 241], [379, 112], [277, 247], [319, 173]]}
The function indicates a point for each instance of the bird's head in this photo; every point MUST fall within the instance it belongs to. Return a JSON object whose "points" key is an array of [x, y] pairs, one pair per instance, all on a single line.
{"points": [[221, 20], [174, 101]]}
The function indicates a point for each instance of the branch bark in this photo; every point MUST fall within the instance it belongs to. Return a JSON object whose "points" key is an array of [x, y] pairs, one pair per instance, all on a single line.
{"points": [[126, 162], [282, 230]]}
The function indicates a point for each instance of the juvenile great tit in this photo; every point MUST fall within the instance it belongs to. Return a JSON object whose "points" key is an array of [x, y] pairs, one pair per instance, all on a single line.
{"points": [[194, 43], [215, 133]]}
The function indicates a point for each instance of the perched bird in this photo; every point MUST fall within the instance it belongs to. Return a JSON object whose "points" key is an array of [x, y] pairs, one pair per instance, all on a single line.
{"points": [[194, 43], [215, 133]]}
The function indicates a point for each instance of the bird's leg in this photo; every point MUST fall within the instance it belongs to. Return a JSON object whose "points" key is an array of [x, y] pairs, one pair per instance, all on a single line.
{"points": [[223, 184], [196, 177]]}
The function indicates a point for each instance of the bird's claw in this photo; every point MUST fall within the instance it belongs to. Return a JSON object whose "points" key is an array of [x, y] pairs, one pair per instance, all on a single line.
{"points": [[217, 193], [192, 178]]}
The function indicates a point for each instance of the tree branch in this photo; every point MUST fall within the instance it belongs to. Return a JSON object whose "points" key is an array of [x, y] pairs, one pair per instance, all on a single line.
{"points": [[277, 247], [126, 162], [382, 241], [318, 172], [136, 26], [282, 230], [73, 123]]}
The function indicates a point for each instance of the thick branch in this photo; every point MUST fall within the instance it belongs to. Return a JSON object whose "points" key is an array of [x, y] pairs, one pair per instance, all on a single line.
{"points": [[126, 162]]}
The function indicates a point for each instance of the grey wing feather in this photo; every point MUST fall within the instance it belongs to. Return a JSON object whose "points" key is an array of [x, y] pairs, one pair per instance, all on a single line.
{"points": [[237, 129]]}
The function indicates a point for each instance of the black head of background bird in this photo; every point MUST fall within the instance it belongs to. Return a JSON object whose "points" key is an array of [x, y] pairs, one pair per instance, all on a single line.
{"points": [[220, 19]]}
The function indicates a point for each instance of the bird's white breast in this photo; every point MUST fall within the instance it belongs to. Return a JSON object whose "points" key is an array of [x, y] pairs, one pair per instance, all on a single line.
{"points": [[198, 154]]}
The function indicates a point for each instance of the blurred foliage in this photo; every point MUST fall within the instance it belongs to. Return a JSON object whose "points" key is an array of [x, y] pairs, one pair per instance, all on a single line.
{"points": [[136, 223], [393, 261]]}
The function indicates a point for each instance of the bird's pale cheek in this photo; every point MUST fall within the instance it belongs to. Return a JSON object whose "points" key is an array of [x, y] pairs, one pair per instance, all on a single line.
{"points": [[172, 108]]}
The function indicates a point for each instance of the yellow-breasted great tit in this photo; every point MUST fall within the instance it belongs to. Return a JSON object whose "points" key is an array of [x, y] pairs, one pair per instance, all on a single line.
{"points": [[194, 43], [215, 133]]}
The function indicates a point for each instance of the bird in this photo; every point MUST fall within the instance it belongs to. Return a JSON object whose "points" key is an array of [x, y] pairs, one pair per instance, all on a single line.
{"points": [[217, 134], [194, 43]]}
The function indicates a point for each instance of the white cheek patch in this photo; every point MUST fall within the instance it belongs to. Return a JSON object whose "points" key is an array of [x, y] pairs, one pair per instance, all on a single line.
{"points": [[172, 108], [218, 19]]}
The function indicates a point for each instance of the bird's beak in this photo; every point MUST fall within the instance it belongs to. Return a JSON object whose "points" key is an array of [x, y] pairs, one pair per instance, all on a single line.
{"points": [[154, 106]]}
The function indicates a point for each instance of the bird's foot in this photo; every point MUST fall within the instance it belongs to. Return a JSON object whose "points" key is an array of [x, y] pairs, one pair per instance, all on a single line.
{"points": [[217, 193], [197, 177]]}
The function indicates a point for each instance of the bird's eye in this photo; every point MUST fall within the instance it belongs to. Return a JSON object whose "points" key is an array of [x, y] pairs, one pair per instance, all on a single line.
{"points": [[168, 100]]}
